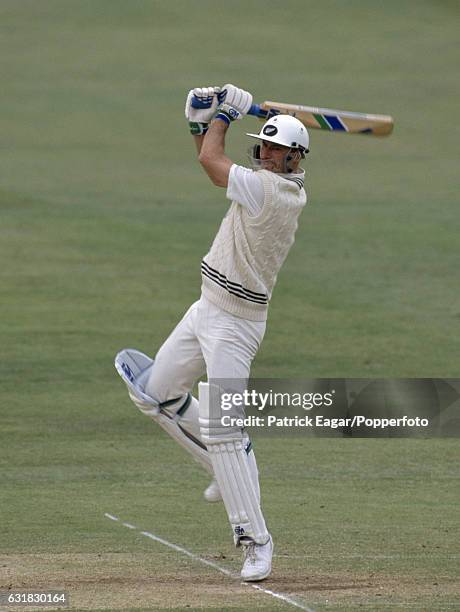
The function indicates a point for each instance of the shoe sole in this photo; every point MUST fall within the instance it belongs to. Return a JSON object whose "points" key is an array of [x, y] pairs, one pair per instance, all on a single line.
{"points": [[258, 579]]}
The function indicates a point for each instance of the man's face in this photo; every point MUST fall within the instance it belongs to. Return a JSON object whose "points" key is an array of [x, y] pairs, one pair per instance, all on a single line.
{"points": [[273, 156]]}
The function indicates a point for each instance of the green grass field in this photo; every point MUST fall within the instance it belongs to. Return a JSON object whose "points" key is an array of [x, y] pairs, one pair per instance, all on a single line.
{"points": [[105, 216]]}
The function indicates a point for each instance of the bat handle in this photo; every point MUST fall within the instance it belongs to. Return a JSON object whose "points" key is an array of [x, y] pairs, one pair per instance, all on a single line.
{"points": [[257, 111], [254, 110]]}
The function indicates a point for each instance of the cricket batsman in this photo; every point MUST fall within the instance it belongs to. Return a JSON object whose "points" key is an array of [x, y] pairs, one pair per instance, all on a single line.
{"points": [[221, 333]]}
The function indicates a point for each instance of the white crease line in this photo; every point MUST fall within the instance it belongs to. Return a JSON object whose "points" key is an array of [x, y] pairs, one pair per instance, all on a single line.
{"points": [[188, 553], [284, 598], [227, 572]]}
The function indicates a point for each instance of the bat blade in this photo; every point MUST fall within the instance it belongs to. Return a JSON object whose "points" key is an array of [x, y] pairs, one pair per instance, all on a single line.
{"points": [[329, 119]]}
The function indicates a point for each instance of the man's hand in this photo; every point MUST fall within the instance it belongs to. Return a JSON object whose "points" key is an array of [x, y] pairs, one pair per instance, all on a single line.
{"points": [[200, 107], [236, 104]]}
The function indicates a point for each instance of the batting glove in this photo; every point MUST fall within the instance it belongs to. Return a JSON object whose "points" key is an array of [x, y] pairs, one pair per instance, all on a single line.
{"points": [[200, 107], [236, 104]]}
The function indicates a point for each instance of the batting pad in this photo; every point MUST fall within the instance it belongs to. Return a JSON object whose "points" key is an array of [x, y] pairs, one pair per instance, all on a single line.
{"points": [[134, 368], [232, 471]]}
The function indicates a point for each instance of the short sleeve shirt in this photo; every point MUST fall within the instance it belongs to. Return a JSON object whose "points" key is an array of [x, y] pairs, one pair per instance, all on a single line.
{"points": [[246, 188]]}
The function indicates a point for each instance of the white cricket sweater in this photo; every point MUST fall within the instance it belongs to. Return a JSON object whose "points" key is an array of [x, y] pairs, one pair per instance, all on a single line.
{"points": [[240, 270]]}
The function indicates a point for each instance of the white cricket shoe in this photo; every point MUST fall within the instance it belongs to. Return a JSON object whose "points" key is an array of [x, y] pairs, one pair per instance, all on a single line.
{"points": [[257, 561], [212, 493]]}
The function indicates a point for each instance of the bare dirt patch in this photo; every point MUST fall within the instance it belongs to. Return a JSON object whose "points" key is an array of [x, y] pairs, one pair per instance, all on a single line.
{"points": [[119, 581]]}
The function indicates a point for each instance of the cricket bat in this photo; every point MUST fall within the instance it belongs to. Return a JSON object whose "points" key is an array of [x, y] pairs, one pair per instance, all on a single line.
{"points": [[327, 118]]}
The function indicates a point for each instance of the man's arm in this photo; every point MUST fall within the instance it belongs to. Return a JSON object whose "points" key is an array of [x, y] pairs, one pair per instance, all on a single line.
{"points": [[200, 107], [198, 140], [211, 153]]}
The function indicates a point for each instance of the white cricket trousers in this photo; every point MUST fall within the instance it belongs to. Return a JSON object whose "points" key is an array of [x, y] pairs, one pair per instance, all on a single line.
{"points": [[209, 341]]}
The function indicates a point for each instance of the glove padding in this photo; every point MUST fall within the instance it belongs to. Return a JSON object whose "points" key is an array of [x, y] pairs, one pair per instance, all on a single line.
{"points": [[227, 113], [237, 98], [201, 104]]}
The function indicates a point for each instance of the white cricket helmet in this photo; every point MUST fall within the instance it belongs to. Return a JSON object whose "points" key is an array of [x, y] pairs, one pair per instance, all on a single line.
{"points": [[285, 130]]}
